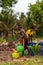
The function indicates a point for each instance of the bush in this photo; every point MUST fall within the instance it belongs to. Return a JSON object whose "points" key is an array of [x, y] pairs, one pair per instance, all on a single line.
{"points": [[12, 39], [35, 48], [2, 40]]}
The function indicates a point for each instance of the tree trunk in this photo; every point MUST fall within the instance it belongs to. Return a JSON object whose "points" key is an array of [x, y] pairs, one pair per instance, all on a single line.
{"points": [[5, 34], [12, 33], [0, 33]]}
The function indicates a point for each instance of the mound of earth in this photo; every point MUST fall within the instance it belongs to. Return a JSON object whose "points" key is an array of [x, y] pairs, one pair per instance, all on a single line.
{"points": [[6, 51]]}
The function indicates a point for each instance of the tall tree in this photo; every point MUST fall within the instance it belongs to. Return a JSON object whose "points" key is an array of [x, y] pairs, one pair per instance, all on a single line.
{"points": [[7, 19], [6, 15], [36, 13], [8, 3], [22, 19]]}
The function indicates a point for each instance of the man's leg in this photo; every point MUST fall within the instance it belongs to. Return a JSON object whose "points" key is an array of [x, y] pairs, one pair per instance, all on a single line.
{"points": [[31, 38]]}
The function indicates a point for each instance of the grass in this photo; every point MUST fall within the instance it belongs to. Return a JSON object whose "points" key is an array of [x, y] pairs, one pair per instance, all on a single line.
{"points": [[36, 60]]}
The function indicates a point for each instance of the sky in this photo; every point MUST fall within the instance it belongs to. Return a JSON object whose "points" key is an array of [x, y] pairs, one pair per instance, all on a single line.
{"points": [[22, 5]]}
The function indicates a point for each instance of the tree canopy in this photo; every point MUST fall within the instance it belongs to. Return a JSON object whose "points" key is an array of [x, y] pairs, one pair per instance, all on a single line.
{"points": [[36, 14], [8, 3]]}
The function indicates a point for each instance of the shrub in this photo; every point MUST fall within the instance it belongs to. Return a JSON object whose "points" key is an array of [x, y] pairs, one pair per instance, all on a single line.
{"points": [[2, 40], [35, 48]]}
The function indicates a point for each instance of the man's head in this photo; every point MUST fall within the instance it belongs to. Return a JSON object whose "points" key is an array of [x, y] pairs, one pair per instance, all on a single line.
{"points": [[32, 28], [19, 26]]}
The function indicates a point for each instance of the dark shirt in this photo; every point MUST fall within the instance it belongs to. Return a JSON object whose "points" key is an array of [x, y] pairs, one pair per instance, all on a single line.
{"points": [[23, 36], [22, 32]]}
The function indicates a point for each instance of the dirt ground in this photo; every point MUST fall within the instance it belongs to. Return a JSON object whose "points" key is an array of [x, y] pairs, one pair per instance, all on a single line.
{"points": [[6, 52]]}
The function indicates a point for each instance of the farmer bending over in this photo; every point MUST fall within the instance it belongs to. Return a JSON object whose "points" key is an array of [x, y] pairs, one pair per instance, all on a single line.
{"points": [[23, 38]]}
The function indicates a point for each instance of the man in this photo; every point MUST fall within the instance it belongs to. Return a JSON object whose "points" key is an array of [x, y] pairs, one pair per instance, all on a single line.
{"points": [[30, 33], [23, 38]]}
